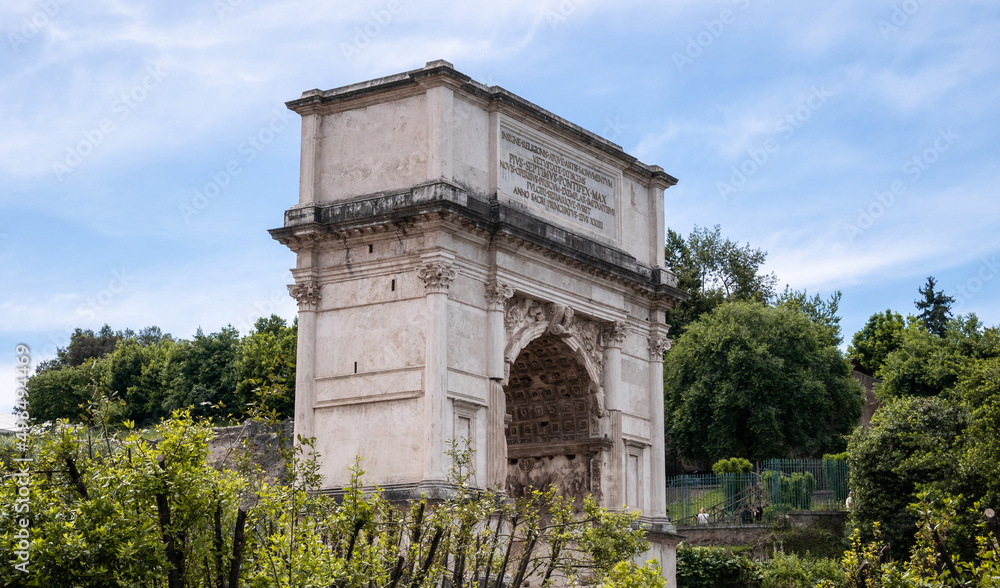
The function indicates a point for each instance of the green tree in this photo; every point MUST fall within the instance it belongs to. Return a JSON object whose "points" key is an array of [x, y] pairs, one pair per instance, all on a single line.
{"points": [[135, 375], [758, 382], [63, 392], [912, 442], [84, 344], [712, 270], [926, 364], [202, 374], [822, 312], [265, 366], [881, 335], [979, 391], [934, 307]]}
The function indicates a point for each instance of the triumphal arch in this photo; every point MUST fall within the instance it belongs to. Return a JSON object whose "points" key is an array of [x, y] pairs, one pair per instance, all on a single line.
{"points": [[471, 266]]}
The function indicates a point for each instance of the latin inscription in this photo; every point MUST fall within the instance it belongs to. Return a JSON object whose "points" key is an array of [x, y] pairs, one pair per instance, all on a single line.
{"points": [[540, 176]]}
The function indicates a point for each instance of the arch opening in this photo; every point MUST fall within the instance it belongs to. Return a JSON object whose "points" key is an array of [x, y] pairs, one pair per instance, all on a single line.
{"points": [[554, 435]]}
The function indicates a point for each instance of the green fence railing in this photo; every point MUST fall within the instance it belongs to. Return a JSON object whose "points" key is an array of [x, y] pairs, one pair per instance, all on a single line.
{"points": [[760, 496]]}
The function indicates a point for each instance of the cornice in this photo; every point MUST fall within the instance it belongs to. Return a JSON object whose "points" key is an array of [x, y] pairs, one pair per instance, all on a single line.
{"points": [[405, 212]]}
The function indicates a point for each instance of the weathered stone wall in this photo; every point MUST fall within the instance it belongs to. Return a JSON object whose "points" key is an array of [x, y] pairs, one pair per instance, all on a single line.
{"points": [[722, 535], [264, 442]]}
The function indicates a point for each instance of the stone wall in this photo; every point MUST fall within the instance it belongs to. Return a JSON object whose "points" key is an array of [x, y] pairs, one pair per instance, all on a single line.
{"points": [[265, 443], [722, 535]]}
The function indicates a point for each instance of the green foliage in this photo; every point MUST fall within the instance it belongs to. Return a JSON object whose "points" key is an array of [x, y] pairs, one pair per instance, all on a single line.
{"points": [[927, 365], [793, 571], [912, 441], [265, 367], [115, 509], [219, 375], [713, 270], [933, 562], [881, 335], [789, 491], [757, 382], [806, 542], [934, 307], [734, 465], [63, 392], [628, 575], [822, 312], [715, 567], [203, 374], [105, 506], [979, 392], [134, 374]]}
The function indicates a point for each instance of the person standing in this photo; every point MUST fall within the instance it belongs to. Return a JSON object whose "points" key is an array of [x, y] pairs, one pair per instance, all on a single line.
{"points": [[703, 517], [849, 503]]}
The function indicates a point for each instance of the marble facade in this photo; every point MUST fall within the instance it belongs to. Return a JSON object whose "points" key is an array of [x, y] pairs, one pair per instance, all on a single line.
{"points": [[471, 266]]}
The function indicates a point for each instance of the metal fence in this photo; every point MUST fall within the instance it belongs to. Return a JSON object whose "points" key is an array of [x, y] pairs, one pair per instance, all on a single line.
{"points": [[761, 496]]}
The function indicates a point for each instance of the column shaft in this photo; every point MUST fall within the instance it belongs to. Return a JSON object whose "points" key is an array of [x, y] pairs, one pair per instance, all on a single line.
{"points": [[436, 386]]}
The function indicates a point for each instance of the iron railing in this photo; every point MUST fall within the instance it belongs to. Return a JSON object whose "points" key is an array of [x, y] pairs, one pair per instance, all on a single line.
{"points": [[761, 496]]}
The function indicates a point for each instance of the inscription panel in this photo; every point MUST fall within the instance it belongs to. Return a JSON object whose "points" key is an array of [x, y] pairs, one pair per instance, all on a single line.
{"points": [[554, 181]]}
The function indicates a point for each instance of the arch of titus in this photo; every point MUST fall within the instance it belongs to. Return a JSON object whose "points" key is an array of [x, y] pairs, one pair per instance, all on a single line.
{"points": [[471, 266]]}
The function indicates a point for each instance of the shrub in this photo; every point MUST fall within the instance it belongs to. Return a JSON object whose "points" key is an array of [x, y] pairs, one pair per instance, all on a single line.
{"points": [[786, 491], [110, 510], [733, 465], [792, 571], [715, 567], [804, 542]]}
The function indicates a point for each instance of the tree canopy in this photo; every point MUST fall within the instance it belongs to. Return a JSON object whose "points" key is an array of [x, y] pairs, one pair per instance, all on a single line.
{"points": [[938, 431], [911, 441], [150, 374], [881, 335], [713, 269], [934, 307], [749, 380], [925, 364]]}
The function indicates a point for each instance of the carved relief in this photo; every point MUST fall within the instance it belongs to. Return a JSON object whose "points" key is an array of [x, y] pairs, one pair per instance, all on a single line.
{"points": [[497, 294], [658, 346], [521, 312], [588, 333], [562, 322], [560, 319], [614, 333], [437, 276], [307, 294], [597, 394]]}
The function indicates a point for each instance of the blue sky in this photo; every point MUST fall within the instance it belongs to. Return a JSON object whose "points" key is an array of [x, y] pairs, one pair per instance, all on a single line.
{"points": [[145, 148]]}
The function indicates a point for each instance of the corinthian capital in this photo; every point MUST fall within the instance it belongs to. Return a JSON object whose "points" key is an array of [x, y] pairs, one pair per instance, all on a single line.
{"points": [[307, 294], [497, 294], [614, 333], [658, 346], [437, 276]]}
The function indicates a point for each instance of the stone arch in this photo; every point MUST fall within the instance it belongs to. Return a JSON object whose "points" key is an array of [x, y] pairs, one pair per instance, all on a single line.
{"points": [[532, 331], [555, 403]]}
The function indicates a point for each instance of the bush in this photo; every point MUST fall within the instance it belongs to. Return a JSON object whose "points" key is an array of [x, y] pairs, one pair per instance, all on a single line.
{"points": [[792, 571], [786, 491], [115, 509], [804, 542], [715, 567], [733, 465]]}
